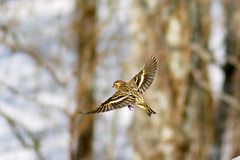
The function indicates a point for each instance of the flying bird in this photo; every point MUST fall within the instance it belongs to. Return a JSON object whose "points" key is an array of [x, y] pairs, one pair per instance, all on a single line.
{"points": [[130, 93]]}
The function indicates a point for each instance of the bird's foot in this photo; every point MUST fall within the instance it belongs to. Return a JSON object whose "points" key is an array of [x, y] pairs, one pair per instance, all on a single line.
{"points": [[130, 107]]}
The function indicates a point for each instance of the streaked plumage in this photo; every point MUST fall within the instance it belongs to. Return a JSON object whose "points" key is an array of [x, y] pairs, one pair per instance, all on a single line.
{"points": [[129, 93]]}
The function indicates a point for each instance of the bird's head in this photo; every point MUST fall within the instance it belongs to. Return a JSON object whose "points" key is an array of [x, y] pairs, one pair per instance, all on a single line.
{"points": [[117, 84]]}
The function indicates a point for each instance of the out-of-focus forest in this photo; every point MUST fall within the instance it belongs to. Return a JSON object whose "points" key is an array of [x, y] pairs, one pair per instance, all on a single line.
{"points": [[59, 57]]}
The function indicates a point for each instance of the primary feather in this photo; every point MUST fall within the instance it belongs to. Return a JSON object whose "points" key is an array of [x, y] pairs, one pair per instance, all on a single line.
{"points": [[145, 77]]}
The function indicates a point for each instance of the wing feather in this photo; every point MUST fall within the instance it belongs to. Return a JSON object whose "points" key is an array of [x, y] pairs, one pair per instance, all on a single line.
{"points": [[145, 77], [118, 100]]}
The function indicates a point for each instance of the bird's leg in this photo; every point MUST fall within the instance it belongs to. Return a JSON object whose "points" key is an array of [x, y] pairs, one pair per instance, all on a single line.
{"points": [[130, 107]]}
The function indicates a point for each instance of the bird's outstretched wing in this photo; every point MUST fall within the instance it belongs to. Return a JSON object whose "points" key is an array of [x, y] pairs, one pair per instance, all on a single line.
{"points": [[145, 77], [118, 100]]}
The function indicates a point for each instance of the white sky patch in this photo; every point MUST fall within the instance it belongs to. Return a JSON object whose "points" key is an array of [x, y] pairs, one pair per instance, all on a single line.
{"points": [[218, 31], [123, 144], [5, 52], [57, 146], [18, 153], [216, 76], [20, 71], [57, 100], [216, 45], [43, 8]]}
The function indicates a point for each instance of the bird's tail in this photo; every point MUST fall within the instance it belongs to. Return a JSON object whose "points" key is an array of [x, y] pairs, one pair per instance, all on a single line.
{"points": [[148, 109]]}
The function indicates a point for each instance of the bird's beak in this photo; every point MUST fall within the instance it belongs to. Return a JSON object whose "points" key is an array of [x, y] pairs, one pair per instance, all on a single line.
{"points": [[112, 86]]}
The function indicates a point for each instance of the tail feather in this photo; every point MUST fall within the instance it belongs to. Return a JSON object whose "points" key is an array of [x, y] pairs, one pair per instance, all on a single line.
{"points": [[148, 109]]}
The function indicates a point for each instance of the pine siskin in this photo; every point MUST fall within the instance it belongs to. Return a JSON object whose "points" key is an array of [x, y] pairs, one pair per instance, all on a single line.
{"points": [[129, 93]]}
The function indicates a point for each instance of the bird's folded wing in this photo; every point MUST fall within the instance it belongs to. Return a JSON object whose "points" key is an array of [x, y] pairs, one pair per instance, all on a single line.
{"points": [[145, 77], [115, 102]]}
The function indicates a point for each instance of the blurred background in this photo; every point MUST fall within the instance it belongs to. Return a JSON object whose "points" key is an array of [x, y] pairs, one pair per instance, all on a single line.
{"points": [[58, 57]]}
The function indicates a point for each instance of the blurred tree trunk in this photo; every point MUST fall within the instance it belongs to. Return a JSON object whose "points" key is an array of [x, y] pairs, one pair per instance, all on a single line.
{"points": [[182, 104], [201, 98], [81, 126], [231, 140], [234, 115]]}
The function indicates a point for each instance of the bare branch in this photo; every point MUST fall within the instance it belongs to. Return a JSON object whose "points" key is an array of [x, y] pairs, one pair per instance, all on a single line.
{"points": [[33, 99], [17, 128], [230, 100]]}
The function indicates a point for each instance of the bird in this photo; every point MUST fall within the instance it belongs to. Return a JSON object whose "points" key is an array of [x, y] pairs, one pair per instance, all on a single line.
{"points": [[129, 94]]}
